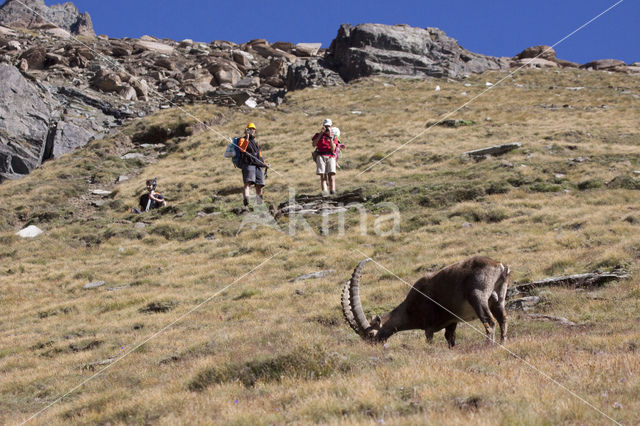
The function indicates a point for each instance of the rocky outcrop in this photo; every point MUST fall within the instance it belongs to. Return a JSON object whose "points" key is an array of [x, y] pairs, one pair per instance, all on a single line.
{"points": [[34, 14], [24, 124], [401, 50], [73, 90], [540, 57], [311, 73], [606, 65]]}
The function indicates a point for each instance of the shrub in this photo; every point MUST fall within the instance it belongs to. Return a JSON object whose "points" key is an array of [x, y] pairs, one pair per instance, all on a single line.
{"points": [[624, 182], [590, 184], [304, 363]]}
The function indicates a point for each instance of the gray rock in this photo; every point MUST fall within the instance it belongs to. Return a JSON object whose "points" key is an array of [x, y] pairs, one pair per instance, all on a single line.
{"points": [[24, 123], [101, 192], [132, 155], [71, 135], [542, 52], [313, 275], [29, 232], [307, 49], [368, 49], [606, 65], [94, 284], [314, 72], [20, 13]]}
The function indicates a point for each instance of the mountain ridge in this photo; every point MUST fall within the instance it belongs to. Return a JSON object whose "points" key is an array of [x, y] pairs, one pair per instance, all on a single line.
{"points": [[90, 85]]}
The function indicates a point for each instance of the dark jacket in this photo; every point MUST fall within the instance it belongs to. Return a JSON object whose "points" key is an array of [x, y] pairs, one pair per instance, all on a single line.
{"points": [[251, 155]]}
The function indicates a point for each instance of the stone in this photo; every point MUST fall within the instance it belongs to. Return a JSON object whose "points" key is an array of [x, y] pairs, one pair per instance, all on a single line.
{"points": [[248, 83], [155, 46], [307, 49], [69, 136], [310, 73], [369, 49], [94, 284], [13, 45], [59, 32], [63, 16], [101, 192], [141, 87], [30, 231], [24, 123], [606, 65], [106, 81], [243, 59], [166, 63], [35, 57], [132, 156], [128, 93], [542, 52], [6, 31], [534, 63], [312, 275], [277, 68]]}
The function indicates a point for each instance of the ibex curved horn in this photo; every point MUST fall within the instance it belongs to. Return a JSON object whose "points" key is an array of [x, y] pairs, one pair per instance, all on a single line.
{"points": [[346, 309], [354, 300]]}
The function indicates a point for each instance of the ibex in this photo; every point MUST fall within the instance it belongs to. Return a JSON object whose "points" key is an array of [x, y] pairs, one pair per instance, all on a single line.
{"points": [[472, 288]]}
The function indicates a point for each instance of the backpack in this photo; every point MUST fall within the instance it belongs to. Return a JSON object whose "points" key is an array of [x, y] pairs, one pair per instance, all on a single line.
{"points": [[233, 151], [339, 145]]}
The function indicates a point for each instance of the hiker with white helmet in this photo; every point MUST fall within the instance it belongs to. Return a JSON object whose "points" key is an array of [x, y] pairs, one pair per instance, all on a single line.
{"points": [[325, 143], [251, 163]]}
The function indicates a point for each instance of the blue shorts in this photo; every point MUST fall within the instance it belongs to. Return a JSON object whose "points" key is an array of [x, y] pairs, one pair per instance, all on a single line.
{"points": [[253, 174]]}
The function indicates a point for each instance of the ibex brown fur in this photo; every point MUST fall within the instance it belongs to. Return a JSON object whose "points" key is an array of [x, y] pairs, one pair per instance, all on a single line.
{"points": [[472, 288]]}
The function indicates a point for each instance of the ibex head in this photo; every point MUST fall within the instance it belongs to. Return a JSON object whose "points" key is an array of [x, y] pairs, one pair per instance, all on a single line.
{"points": [[352, 308]]}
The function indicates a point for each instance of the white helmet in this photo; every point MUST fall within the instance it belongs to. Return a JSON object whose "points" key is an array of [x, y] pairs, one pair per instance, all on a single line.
{"points": [[327, 122], [336, 131]]}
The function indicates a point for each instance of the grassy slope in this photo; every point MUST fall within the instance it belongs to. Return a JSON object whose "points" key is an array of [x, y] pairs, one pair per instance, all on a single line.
{"points": [[266, 350]]}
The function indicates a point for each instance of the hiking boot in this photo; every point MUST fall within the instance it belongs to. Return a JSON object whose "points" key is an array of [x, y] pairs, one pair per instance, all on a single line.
{"points": [[259, 200], [245, 202], [332, 192]]}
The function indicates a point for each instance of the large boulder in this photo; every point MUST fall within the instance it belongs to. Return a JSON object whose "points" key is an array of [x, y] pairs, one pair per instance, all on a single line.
{"points": [[368, 49], [542, 52], [313, 72], [35, 14], [606, 65], [70, 135], [24, 124]]}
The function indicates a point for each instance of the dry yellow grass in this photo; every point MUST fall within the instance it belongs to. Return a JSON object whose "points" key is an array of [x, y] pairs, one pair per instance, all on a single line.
{"points": [[264, 350]]}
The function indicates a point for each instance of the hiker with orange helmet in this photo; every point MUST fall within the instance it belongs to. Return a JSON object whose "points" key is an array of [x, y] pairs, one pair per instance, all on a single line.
{"points": [[251, 163]]}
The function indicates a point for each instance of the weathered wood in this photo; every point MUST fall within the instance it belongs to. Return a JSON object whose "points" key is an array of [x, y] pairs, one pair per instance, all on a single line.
{"points": [[494, 150], [304, 204], [594, 279]]}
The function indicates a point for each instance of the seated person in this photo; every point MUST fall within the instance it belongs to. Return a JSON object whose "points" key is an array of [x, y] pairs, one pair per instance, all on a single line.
{"points": [[152, 199]]}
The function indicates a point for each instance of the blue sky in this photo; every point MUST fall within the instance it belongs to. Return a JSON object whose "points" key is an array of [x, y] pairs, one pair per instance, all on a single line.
{"points": [[497, 28]]}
